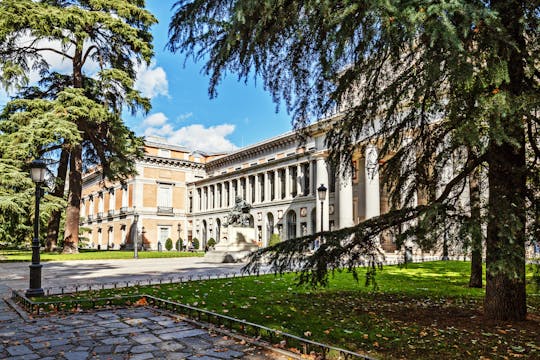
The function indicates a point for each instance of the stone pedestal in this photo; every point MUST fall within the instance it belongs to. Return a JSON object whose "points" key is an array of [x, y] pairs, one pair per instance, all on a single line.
{"points": [[239, 243]]}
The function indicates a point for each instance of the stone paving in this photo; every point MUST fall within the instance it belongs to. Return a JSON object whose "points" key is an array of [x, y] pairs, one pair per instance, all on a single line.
{"points": [[132, 333]]}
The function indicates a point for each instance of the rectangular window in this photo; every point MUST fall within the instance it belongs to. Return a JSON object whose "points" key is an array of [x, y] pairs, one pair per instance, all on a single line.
{"points": [[164, 199], [164, 233]]}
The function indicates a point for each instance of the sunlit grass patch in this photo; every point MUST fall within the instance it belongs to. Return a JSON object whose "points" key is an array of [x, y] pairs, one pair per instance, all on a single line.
{"points": [[423, 311]]}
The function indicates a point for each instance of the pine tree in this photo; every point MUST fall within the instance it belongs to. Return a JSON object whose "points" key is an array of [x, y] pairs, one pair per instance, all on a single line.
{"points": [[426, 79], [114, 34]]}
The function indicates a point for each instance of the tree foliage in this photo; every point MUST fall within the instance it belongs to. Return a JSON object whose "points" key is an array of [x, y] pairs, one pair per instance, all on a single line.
{"points": [[113, 36], [427, 80]]}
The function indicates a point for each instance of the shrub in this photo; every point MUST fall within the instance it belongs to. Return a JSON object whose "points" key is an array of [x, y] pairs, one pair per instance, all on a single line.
{"points": [[195, 243], [211, 242], [274, 239], [168, 244]]}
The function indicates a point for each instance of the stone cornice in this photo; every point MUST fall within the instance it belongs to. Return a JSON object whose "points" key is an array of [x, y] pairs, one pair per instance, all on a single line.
{"points": [[255, 168], [244, 154], [158, 160]]}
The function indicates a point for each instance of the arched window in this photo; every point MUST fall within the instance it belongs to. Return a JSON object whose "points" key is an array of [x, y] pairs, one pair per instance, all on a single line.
{"points": [[291, 224]]}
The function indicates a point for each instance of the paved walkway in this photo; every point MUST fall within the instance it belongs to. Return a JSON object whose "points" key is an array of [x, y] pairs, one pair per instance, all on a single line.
{"points": [[62, 273], [134, 333]]}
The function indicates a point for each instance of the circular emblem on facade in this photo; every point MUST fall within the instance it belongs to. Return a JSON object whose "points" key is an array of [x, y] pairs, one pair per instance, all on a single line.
{"points": [[303, 212], [331, 209]]}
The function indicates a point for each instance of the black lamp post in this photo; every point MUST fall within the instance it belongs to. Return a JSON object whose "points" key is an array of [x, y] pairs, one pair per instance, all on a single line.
{"points": [[179, 228], [135, 236], [321, 190], [37, 173]]}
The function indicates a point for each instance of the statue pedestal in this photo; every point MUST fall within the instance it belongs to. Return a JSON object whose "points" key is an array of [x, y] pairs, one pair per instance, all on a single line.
{"points": [[240, 243]]}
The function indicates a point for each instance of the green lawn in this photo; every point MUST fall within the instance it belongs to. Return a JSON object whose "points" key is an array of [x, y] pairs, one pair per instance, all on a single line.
{"points": [[20, 255], [424, 311]]}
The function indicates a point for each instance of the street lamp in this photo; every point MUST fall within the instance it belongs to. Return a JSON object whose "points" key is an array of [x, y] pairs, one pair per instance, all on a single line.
{"points": [[135, 236], [321, 190], [37, 174]]}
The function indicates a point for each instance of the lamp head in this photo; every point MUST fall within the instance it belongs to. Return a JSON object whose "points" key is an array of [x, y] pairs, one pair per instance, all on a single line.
{"points": [[322, 192], [37, 171]]}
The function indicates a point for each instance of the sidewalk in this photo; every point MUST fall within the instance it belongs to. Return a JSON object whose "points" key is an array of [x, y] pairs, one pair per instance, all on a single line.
{"points": [[133, 333]]}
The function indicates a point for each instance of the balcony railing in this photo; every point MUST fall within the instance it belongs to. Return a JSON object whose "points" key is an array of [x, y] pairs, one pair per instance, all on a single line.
{"points": [[99, 215], [110, 213], [90, 218], [123, 210], [165, 210]]}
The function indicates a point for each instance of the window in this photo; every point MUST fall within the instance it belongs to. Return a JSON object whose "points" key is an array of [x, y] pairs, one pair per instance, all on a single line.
{"points": [[293, 171], [91, 206], [101, 206], [262, 187], [164, 233], [112, 201], [271, 181], [291, 225], [124, 207], [164, 199]]}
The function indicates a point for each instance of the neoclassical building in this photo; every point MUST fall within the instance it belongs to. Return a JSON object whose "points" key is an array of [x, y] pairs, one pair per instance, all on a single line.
{"points": [[279, 177], [179, 193], [156, 196]]}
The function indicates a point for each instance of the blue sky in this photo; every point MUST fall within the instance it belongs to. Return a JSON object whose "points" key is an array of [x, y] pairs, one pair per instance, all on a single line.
{"points": [[182, 111]]}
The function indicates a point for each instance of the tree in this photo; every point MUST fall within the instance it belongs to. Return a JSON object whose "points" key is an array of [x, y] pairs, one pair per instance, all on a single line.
{"points": [[114, 34], [168, 244], [426, 79]]}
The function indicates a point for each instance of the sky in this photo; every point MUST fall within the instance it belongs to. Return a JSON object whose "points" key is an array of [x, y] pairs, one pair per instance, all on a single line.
{"points": [[182, 111]]}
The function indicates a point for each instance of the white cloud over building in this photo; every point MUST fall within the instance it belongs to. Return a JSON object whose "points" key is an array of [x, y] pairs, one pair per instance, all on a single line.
{"points": [[196, 136]]}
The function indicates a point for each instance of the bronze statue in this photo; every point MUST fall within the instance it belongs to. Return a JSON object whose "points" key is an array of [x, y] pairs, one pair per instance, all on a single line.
{"points": [[239, 214]]}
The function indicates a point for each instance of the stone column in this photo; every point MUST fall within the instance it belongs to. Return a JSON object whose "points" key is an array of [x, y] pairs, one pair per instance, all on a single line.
{"points": [[322, 178], [345, 202], [372, 191], [256, 183]]}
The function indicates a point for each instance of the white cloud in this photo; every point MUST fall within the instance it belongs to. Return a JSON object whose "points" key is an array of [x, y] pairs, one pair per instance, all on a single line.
{"points": [[185, 116], [210, 139], [193, 137], [152, 81], [154, 120]]}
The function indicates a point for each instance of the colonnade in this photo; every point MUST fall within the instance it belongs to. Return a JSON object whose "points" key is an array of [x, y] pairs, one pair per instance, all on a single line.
{"points": [[288, 182]]}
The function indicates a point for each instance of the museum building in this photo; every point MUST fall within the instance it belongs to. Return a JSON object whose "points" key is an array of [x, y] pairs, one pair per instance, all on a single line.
{"points": [[183, 194]]}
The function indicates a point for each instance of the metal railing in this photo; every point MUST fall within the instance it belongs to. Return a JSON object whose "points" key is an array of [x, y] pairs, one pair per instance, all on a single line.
{"points": [[282, 339]]}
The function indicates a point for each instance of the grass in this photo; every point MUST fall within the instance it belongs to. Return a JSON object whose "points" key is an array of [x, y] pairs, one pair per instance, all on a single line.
{"points": [[23, 255], [424, 311]]}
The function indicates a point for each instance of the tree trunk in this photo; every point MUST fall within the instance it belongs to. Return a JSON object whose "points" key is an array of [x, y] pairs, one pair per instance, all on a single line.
{"points": [[71, 232], [60, 184], [476, 230], [505, 244]]}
